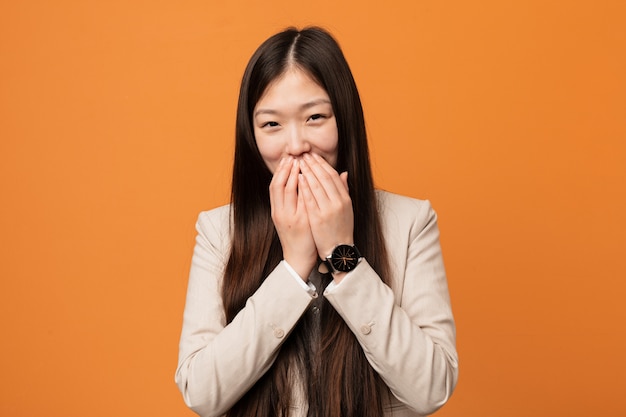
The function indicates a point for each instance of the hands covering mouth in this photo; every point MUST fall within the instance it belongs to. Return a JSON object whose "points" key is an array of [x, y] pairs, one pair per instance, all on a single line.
{"points": [[311, 210]]}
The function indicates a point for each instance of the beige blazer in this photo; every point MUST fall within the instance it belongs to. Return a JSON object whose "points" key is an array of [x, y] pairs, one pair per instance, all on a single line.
{"points": [[407, 331]]}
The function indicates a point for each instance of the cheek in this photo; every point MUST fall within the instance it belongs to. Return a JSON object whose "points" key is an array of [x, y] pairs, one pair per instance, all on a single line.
{"points": [[330, 145], [270, 152]]}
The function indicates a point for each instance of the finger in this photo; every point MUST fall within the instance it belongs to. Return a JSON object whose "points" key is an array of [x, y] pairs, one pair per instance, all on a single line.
{"points": [[323, 164], [290, 196], [278, 183], [315, 184], [332, 172], [323, 179], [282, 172], [326, 172], [309, 200], [344, 180], [301, 194]]}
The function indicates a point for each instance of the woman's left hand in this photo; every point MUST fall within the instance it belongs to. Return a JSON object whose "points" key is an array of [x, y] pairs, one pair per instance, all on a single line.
{"points": [[328, 204]]}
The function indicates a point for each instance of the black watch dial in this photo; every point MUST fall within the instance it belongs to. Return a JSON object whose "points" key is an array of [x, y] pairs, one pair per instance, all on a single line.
{"points": [[345, 258]]}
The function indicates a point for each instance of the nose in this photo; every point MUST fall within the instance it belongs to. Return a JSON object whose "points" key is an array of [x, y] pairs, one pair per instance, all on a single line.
{"points": [[297, 142]]}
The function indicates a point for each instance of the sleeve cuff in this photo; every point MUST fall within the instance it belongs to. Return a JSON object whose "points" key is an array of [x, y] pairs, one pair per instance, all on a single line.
{"points": [[333, 284], [306, 286]]}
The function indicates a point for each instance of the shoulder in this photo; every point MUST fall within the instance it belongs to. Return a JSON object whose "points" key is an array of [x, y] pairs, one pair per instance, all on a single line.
{"points": [[214, 225], [217, 215], [404, 210]]}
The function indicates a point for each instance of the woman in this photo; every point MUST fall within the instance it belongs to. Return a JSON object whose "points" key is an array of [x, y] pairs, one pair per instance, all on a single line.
{"points": [[312, 293]]}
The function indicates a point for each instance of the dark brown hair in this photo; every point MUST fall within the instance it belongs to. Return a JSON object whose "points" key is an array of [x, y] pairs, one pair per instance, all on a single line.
{"points": [[342, 383]]}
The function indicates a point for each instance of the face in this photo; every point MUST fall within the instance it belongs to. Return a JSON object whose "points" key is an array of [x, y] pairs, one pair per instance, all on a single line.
{"points": [[294, 117]]}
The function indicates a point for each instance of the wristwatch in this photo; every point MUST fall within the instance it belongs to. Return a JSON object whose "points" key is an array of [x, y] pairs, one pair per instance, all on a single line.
{"points": [[344, 258]]}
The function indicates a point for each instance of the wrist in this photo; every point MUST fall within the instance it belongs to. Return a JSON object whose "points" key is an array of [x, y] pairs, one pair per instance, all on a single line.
{"points": [[343, 258], [302, 269]]}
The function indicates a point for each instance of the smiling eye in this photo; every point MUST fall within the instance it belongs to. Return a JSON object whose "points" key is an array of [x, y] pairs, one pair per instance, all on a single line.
{"points": [[316, 117], [270, 124]]}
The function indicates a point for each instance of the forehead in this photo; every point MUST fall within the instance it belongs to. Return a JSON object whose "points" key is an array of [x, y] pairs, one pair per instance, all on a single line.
{"points": [[292, 84]]}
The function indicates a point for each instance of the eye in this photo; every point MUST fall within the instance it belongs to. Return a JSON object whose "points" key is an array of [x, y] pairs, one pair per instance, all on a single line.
{"points": [[316, 116], [269, 124]]}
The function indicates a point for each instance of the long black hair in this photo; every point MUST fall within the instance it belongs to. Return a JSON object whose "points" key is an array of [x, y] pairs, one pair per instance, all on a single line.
{"points": [[344, 384]]}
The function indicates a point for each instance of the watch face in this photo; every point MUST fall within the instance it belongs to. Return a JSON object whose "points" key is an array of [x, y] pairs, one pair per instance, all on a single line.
{"points": [[345, 258]]}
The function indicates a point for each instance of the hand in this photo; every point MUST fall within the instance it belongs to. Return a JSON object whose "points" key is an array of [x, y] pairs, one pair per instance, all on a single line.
{"points": [[290, 218], [328, 204]]}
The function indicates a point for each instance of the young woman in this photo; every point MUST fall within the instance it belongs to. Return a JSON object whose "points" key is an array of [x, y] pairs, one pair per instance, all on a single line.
{"points": [[312, 294]]}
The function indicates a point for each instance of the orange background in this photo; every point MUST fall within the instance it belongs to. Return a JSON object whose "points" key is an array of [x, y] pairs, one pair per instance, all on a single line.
{"points": [[117, 122]]}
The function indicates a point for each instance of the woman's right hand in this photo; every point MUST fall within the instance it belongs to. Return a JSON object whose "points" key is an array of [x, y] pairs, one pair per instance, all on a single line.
{"points": [[290, 218]]}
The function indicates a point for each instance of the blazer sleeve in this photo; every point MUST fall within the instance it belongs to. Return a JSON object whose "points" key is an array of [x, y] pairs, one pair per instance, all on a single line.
{"points": [[218, 363], [410, 343]]}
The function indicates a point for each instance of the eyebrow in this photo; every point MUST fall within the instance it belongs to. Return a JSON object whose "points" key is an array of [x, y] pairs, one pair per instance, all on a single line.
{"points": [[302, 107]]}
